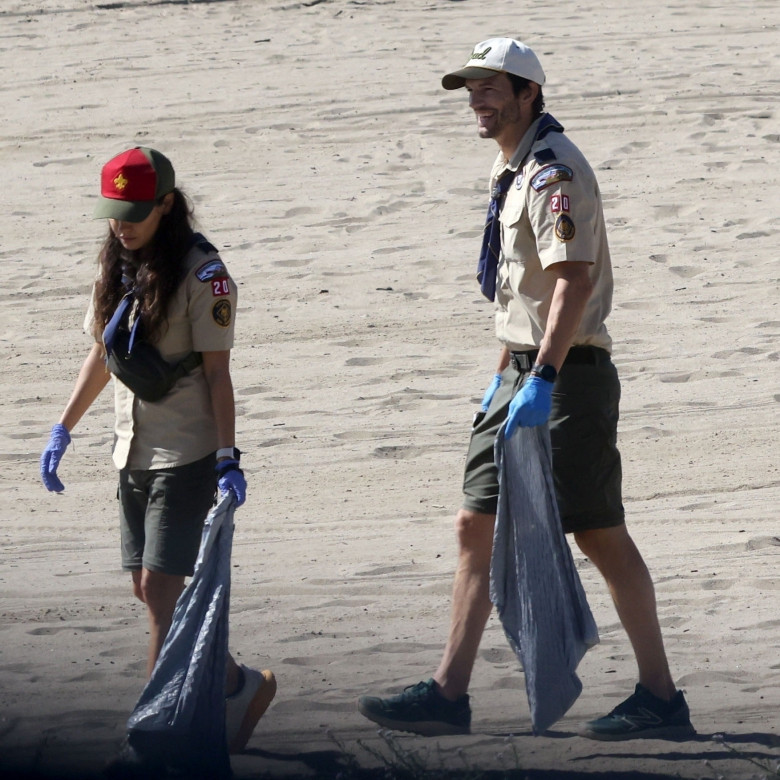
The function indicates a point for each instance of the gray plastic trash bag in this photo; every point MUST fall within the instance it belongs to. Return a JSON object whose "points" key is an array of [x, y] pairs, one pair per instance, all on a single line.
{"points": [[533, 581], [178, 724]]}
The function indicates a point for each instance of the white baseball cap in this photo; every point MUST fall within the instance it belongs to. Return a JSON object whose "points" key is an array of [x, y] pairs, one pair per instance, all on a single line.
{"points": [[497, 55]]}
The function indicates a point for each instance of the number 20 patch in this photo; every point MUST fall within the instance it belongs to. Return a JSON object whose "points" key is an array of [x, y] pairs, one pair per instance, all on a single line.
{"points": [[559, 203], [220, 286]]}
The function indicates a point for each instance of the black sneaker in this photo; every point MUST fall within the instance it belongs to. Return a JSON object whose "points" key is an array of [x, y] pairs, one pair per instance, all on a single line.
{"points": [[420, 709], [643, 715]]}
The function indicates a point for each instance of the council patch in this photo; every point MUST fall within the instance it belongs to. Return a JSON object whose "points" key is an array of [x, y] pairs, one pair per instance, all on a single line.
{"points": [[564, 228], [221, 312], [552, 174], [210, 269]]}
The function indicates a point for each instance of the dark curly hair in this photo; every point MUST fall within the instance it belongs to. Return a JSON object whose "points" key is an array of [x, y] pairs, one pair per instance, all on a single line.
{"points": [[153, 273]]}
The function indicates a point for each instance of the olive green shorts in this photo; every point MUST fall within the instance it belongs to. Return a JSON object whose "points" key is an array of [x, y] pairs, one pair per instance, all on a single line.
{"points": [[161, 515], [583, 433]]}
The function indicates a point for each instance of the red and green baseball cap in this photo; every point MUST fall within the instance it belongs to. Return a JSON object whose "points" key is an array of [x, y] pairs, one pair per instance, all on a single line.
{"points": [[132, 182]]}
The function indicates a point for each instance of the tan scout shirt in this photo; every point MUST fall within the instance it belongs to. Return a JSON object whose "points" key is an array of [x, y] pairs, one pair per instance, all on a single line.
{"points": [[180, 428], [552, 213]]}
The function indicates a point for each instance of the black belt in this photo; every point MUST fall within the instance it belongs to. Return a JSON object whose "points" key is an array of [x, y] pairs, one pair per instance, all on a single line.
{"points": [[579, 356]]}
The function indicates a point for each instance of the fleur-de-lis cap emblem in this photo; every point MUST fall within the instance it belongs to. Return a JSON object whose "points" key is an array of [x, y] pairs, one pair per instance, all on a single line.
{"points": [[120, 182]]}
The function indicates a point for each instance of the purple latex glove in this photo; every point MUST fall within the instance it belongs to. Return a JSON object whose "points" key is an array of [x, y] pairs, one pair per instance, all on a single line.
{"points": [[531, 406], [231, 479], [51, 457]]}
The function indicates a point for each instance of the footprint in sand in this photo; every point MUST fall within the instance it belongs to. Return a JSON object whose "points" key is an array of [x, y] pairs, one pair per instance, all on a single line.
{"points": [[398, 452], [51, 630], [762, 542], [363, 361], [686, 271], [253, 390], [730, 353]]}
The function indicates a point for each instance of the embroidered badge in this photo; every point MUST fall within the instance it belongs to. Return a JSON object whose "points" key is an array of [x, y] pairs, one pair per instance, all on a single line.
{"points": [[120, 182], [211, 270], [559, 202], [552, 174], [519, 181], [220, 287], [564, 228], [221, 313]]}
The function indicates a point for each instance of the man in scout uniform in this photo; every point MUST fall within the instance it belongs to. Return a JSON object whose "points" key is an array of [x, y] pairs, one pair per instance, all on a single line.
{"points": [[545, 262]]}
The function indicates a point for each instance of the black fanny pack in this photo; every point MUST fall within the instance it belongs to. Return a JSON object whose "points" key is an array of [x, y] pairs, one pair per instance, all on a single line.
{"points": [[137, 364]]}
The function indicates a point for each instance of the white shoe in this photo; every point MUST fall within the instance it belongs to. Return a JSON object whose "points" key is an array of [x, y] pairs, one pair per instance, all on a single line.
{"points": [[245, 708]]}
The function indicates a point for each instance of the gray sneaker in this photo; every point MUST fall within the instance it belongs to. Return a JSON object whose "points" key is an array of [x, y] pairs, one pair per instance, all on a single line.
{"points": [[245, 708], [420, 709], [643, 715]]}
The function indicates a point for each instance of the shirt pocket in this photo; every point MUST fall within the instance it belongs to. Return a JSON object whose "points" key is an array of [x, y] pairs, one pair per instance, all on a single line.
{"points": [[517, 241], [513, 209]]}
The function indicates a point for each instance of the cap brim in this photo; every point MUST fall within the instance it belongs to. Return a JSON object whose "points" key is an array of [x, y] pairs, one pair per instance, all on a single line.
{"points": [[124, 210], [457, 79]]}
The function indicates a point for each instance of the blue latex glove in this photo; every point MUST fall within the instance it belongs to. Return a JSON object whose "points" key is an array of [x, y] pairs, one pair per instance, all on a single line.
{"points": [[51, 457], [490, 392], [231, 479], [531, 406]]}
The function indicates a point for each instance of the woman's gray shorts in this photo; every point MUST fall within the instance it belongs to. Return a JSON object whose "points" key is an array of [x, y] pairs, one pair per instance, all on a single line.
{"points": [[583, 432], [161, 515]]}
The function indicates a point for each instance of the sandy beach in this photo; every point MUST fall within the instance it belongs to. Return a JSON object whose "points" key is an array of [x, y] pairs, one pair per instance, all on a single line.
{"points": [[346, 192]]}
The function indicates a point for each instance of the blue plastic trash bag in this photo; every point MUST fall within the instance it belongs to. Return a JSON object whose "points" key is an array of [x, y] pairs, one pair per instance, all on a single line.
{"points": [[178, 724], [533, 581]]}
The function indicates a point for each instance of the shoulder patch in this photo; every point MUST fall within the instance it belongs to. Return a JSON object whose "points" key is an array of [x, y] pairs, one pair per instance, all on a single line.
{"points": [[564, 228], [551, 174], [222, 313], [220, 286], [211, 269]]}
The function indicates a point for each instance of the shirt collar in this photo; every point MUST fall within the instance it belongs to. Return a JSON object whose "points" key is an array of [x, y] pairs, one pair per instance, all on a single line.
{"points": [[546, 123]]}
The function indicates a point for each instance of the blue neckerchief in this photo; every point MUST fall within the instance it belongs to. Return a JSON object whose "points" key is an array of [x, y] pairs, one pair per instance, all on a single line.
{"points": [[548, 123], [487, 268], [120, 319]]}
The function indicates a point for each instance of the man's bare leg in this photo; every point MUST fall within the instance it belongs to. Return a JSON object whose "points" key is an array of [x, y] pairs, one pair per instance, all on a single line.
{"points": [[471, 606], [615, 555]]}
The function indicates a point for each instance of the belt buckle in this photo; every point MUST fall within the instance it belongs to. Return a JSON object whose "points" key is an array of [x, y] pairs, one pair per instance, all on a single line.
{"points": [[521, 361]]}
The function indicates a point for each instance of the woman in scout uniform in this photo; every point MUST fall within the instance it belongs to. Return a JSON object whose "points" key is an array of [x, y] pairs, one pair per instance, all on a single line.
{"points": [[163, 286]]}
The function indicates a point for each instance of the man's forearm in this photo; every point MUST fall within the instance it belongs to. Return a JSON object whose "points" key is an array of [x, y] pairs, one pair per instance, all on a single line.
{"points": [[566, 309]]}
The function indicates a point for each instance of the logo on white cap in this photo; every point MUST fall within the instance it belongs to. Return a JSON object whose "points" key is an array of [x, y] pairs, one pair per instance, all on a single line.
{"points": [[480, 55]]}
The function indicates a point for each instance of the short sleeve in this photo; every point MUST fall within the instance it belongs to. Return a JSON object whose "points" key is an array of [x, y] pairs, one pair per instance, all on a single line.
{"points": [[212, 299], [562, 208], [89, 317]]}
